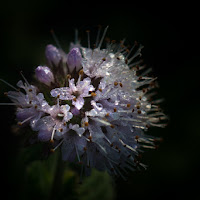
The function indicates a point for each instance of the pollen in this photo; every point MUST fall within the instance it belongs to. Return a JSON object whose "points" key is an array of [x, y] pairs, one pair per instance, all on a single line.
{"points": [[19, 123], [86, 123], [68, 76], [112, 126], [81, 72], [93, 94], [51, 141], [107, 114]]}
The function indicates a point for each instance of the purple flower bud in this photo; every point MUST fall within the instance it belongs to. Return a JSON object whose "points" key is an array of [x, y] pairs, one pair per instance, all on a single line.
{"points": [[74, 59], [44, 75], [53, 55]]}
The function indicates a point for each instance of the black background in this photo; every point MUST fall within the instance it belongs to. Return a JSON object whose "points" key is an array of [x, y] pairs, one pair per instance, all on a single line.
{"points": [[169, 34]]}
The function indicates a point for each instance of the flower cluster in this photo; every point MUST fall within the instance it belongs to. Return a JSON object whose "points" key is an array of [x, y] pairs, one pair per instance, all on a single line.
{"points": [[93, 103]]}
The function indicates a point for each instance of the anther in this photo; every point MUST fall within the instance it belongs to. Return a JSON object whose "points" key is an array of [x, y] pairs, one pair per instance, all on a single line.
{"points": [[115, 109], [5, 93], [85, 148], [136, 137], [128, 105], [19, 123], [86, 123], [112, 126], [93, 94], [100, 89], [81, 72], [58, 96], [52, 150], [140, 97], [120, 84], [139, 111], [30, 90], [74, 99], [107, 114], [140, 78], [104, 59], [61, 130], [90, 138], [133, 110], [35, 106], [68, 76], [115, 83], [111, 144], [51, 141]]}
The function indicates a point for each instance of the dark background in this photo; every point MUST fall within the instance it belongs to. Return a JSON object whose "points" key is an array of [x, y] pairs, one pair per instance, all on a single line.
{"points": [[169, 34]]}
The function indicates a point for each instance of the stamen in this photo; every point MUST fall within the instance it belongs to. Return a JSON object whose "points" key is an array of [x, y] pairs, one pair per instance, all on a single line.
{"points": [[21, 123], [52, 135], [115, 83], [86, 123], [128, 105], [77, 153], [24, 79], [9, 104], [88, 36], [55, 38], [93, 94], [52, 150], [98, 34], [102, 38], [9, 84]]}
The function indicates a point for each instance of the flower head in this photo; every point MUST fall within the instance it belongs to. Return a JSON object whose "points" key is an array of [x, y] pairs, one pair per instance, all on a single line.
{"points": [[98, 107]]}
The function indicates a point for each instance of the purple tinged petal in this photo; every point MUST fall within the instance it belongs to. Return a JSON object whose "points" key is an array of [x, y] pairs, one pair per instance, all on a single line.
{"points": [[53, 55], [74, 59], [75, 111], [44, 135], [44, 75]]}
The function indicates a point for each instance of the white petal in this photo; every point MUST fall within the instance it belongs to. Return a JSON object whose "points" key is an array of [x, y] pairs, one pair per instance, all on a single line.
{"points": [[78, 103]]}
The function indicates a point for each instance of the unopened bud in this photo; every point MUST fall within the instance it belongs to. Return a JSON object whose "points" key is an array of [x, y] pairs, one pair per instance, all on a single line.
{"points": [[44, 75]]}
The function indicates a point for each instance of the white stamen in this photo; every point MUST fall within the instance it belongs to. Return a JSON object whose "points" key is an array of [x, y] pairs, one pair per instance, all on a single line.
{"points": [[9, 84], [9, 104], [24, 79], [77, 153], [55, 38], [102, 38], [58, 145], [26, 120], [53, 132]]}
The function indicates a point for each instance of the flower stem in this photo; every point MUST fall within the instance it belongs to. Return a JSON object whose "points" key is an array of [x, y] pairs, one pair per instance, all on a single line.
{"points": [[56, 190]]}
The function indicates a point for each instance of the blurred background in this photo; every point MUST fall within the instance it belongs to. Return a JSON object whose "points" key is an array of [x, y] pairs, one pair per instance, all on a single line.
{"points": [[169, 35]]}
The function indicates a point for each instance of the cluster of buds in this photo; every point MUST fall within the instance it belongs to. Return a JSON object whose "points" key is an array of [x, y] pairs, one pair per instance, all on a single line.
{"points": [[93, 103]]}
